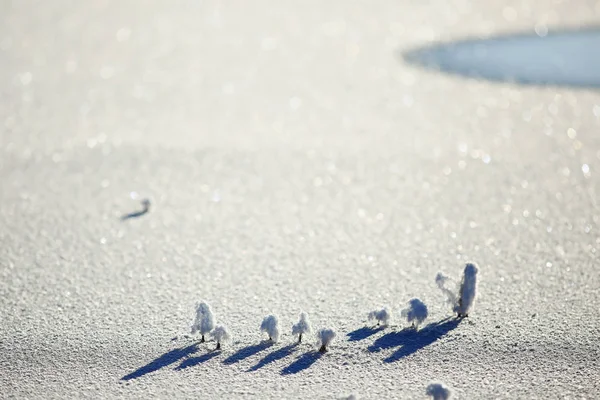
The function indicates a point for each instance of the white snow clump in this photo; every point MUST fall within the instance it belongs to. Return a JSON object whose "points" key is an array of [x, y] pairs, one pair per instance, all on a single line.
{"points": [[270, 324], [325, 336], [220, 334], [415, 313], [438, 391], [468, 290], [381, 316], [463, 301], [205, 320], [301, 327]]}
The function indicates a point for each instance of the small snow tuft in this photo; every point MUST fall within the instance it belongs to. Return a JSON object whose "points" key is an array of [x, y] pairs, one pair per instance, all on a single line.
{"points": [[270, 324], [325, 336], [205, 319], [468, 290], [382, 316], [438, 391], [220, 334], [302, 326], [415, 313]]}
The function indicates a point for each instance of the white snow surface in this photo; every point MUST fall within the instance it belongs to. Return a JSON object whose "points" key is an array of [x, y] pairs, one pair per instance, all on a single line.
{"points": [[382, 316], [303, 325], [294, 161], [438, 391], [270, 325], [205, 319], [416, 312]]}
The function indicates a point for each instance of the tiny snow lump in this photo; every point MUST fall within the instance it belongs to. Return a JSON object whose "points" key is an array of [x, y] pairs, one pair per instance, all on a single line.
{"points": [[270, 324], [205, 320], [415, 312], [301, 327], [325, 337]]}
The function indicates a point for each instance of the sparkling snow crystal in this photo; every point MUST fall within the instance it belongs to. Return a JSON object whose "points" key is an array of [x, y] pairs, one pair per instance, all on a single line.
{"points": [[381, 316], [438, 391], [205, 320], [220, 334], [301, 327], [271, 325], [325, 337], [415, 313]]}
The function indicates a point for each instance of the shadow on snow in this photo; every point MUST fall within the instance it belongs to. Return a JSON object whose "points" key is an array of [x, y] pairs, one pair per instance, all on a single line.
{"points": [[274, 356], [363, 333], [246, 352], [162, 361], [301, 363], [412, 340], [193, 361]]}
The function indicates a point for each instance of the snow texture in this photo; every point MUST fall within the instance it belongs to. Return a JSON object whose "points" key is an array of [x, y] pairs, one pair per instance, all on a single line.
{"points": [[325, 336], [468, 289], [303, 325], [319, 172], [382, 316], [221, 334], [205, 319], [270, 325], [415, 313], [438, 391]]}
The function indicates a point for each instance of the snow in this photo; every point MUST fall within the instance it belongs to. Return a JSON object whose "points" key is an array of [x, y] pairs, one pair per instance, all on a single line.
{"points": [[442, 281], [468, 289], [382, 316], [302, 327], [462, 301], [205, 320], [325, 337], [270, 325], [220, 334], [381, 174], [438, 391], [415, 313]]}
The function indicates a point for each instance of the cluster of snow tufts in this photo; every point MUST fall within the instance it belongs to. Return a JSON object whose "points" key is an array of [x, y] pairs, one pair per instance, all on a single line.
{"points": [[204, 323], [461, 301], [415, 313]]}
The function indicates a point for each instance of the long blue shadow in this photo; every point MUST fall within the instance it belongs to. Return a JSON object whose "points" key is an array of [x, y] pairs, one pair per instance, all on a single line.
{"points": [[274, 356], [363, 333], [412, 340], [566, 58], [301, 363], [162, 361], [246, 352], [193, 361]]}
